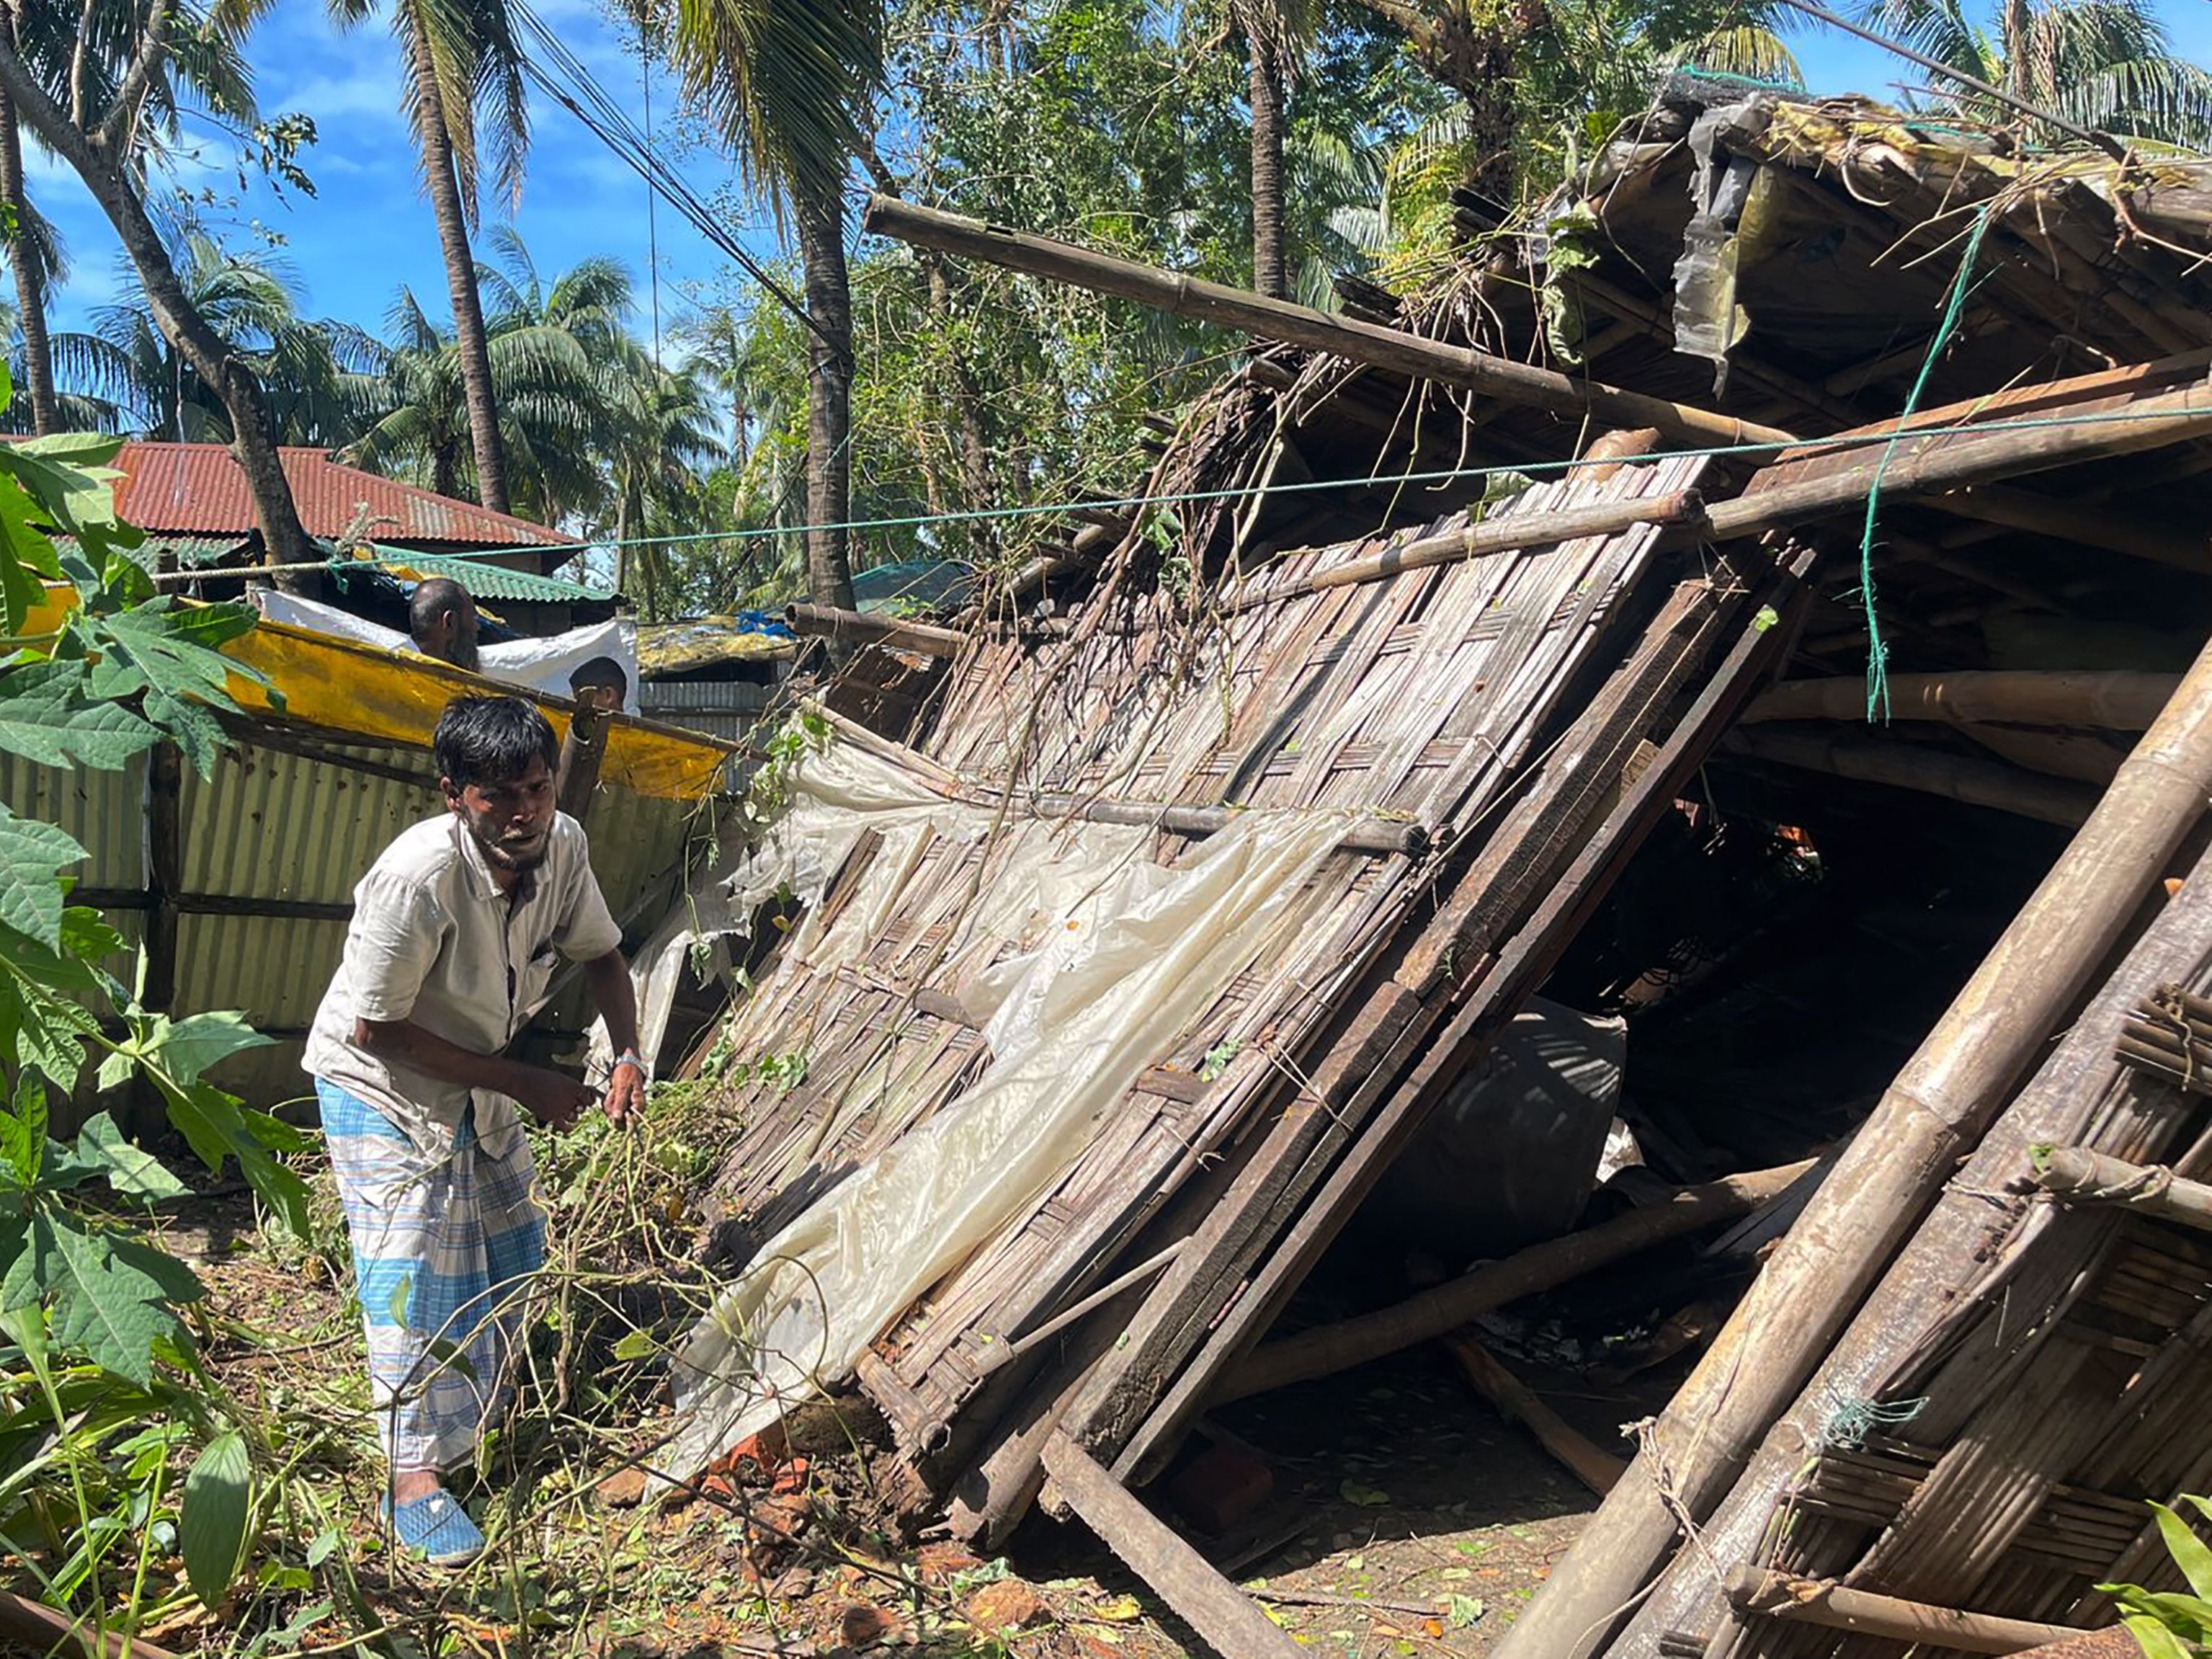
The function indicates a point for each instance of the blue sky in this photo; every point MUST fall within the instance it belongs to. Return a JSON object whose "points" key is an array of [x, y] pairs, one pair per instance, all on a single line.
{"points": [[369, 229]]}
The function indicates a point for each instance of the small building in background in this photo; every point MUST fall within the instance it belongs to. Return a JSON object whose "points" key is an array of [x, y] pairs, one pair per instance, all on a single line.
{"points": [[194, 504]]}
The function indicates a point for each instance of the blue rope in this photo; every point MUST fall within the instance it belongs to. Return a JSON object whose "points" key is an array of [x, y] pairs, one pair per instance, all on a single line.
{"points": [[1877, 648]]}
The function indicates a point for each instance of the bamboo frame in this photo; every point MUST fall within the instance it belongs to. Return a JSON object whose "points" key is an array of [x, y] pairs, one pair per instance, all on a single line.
{"points": [[1760, 1592], [1937, 1109], [2081, 1174]]}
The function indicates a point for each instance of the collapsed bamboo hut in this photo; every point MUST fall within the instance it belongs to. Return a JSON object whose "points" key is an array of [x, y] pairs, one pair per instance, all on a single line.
{"points": [[1426, 736]]}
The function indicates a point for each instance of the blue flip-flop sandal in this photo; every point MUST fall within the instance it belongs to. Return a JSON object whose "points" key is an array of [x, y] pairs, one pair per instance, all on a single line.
{"points": [[436, 1529]]}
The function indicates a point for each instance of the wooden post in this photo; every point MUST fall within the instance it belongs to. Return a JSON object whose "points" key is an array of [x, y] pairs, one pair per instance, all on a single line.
{"points": [[1886, 1179], [582, 750], [1835, 1607], [2083, 1176], [1516, 1402], [165, 881], [1829, 481], [1228, 1620], [1495, 377], [1442, 1309], [2117, 699], [40, 1629], [1940, 1279]]}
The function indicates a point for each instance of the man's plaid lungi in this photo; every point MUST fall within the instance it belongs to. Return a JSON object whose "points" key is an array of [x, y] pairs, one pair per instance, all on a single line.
{"points": [[443, 1251]]}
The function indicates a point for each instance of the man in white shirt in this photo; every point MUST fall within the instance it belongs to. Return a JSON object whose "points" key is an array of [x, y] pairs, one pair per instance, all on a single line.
{"points": [[457, 931]]}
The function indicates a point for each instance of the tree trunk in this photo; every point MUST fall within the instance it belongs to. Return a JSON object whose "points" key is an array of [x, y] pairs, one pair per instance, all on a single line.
{"points": [[284, 540], [1269, 274], [23, 261], [469, 341], [1474, 57], [820, 207]]}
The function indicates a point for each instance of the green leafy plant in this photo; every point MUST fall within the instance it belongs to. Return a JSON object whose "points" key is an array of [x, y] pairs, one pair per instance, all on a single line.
{"points": [[103, 1393], [2169, 1625]]}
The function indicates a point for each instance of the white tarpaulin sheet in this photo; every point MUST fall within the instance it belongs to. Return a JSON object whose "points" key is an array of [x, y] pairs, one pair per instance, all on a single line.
{"points": [[1117, 957], [538, 665]]}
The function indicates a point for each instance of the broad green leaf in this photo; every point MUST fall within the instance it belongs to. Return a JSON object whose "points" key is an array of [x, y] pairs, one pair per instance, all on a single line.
{"points": [[215, 1127], [23, 1134], [275, 1134], [109, 1295], [451, 1355], [40, 1026], [217, 1511], [86, 449], [45, 716], [26, 557], [2156, 1641], [637, 1344], [186, 1048], [131, 1171], [2188, 1550], [33, 855], [66, 1169]]}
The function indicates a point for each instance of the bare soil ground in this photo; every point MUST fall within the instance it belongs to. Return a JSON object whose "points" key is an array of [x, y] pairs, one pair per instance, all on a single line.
{"points": [[1407, 1519]]}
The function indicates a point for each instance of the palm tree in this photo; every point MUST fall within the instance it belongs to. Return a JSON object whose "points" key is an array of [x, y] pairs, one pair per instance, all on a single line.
{"points": [[304, 365], [2106, 64], [1276, 34], [459, 59], [787, 80], [556, 352], [116, 101], [665, 439]]}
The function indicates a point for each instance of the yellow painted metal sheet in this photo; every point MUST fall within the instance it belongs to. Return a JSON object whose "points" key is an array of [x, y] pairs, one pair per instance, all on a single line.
{"points": [[344, 686]]}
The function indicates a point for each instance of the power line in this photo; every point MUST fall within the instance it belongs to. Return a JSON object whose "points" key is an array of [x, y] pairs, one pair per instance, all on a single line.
{"points": [[571, 85], [1452, 475]]}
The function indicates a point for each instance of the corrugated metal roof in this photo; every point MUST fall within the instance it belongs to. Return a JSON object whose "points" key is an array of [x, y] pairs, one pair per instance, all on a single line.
{"points": [[275, 825], [484, 580], [200, 489]]}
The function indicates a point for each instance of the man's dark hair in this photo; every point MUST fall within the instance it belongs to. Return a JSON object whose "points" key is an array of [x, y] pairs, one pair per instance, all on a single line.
{"points": [[600, 670], [491, 740], [431, 600]]}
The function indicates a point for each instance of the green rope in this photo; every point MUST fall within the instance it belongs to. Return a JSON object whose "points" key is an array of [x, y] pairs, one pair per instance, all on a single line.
{"points": [[1877, 648]]}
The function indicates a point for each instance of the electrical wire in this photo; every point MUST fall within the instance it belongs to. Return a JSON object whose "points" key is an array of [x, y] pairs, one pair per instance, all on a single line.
{"points": [[1841, 441], [572, 86]]}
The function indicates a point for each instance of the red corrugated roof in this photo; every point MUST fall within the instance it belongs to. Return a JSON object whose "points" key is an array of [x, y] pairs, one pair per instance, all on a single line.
{"points": [[200, 489]]}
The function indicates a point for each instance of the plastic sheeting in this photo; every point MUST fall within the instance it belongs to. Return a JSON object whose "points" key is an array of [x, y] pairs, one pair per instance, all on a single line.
{"points": [[541, 664], [1117, 955]]}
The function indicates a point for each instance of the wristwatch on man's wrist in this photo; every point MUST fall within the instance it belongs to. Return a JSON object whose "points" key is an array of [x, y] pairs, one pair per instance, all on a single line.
{"points": [[630, 1057]]}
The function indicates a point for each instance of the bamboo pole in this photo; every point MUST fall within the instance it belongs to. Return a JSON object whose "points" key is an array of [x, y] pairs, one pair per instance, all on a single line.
{"points": [[1835, 1607], [2120, 699], [1954, 777], [1941, 1278], [1181, 295], [2083, 1176], [1516, 1402], [1936, 463], [858, 628], [1937, 1111], [1363, 832], [1443, 1309], [1683, 507]]}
